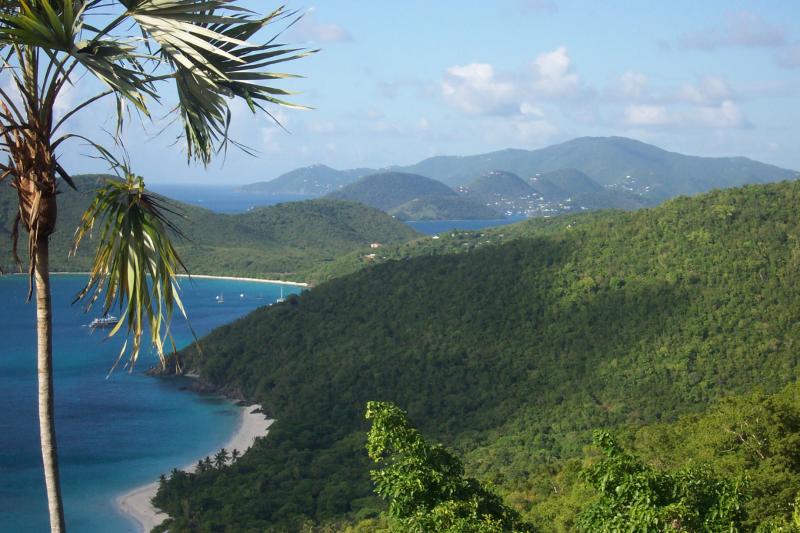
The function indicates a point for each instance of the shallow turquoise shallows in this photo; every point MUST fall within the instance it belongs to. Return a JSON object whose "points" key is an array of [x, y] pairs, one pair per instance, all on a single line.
{"points": [[114, 433]]}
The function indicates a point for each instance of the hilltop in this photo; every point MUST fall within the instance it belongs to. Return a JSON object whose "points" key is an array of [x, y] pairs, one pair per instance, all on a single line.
{"points": [[512, 350], [316, 180], [277, 242], [412, 197], [616, 162], [565, 183], [638, 174]]}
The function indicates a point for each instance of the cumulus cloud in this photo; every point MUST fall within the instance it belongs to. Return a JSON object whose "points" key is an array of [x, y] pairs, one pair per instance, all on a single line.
{"points": [[646, 115], [479, 89], [707, 90], [554, 78], [309, 28], [742, 28], [632, 85], [725, 115]]}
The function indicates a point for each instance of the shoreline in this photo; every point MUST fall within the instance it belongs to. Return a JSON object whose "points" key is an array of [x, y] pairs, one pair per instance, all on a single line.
{"points": [[136, 505], [189, 276]]}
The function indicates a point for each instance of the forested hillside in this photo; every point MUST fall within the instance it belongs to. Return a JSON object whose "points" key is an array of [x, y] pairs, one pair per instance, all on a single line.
{"points": [[513, 352], [611, 161], [281, 241]]}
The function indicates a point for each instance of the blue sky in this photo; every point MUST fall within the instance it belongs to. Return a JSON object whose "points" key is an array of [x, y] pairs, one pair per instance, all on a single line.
{"points": [[397, 82]]}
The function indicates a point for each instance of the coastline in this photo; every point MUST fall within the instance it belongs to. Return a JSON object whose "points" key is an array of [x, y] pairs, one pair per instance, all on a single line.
{"points": [[136, 503], [234, 278], [190, 276]]}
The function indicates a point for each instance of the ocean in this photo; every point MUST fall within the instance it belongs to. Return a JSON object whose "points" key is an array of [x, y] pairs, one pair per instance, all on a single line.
{"points": [[114, 433], [222, 199], [228, 200]]}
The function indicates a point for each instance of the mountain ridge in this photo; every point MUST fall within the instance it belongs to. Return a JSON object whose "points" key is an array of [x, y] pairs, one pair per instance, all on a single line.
{"points": [[616, 162]]}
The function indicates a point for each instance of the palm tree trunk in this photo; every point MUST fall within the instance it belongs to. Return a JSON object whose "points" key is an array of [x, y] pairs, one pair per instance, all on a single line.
{"points": [[47, 425]]}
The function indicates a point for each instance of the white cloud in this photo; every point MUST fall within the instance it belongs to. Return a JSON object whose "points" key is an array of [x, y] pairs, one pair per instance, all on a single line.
{"points": [[646, 115], [632, 84], [309, 28], [476, 89], [708, 90], [741, 28], [554, 78], [725, 115], [479, 89]]}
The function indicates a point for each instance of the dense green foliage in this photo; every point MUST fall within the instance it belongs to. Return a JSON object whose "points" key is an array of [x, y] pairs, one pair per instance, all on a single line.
{"points": [[443, 208], [425, 483], [412, 197], [497, 183], [514, 350], [657, 174], [564, 183], [636, 497], [316, 180], [388, 190], [280, 241]]}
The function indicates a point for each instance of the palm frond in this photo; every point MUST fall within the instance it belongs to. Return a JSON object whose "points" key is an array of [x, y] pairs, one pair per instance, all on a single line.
{"points": [[136, 266], [208, 44]]}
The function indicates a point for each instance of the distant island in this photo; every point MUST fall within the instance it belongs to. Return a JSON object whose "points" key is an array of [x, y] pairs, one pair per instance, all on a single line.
{"points": [[584, 174]]}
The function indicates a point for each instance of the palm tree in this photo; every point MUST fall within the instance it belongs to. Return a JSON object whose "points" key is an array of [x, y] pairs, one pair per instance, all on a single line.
{"points": [[209, 51], [221, 458]]}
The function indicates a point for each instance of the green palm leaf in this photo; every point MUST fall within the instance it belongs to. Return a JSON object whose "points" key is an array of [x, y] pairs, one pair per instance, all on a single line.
{"points": [[135, 267]]}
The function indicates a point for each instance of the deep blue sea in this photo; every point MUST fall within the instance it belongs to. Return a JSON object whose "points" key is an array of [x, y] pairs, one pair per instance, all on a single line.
{"points": [[220, 198], [114, 433], [228, 200]]}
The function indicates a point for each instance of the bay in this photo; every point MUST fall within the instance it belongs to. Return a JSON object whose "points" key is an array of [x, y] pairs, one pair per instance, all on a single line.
{"points": [[222, 199], [114, 432]]}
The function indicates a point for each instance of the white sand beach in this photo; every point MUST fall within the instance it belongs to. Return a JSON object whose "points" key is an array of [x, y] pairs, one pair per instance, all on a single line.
{"points": [[198, 276], [233, 278], [136, 503]]}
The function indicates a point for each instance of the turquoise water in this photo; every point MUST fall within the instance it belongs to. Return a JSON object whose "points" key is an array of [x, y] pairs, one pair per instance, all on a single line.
{"points": [[113, 434]]}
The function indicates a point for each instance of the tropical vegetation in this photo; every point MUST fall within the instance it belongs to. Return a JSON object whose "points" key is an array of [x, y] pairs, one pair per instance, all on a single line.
{"points": [[284, 241], [674, 329], [206, 50]]}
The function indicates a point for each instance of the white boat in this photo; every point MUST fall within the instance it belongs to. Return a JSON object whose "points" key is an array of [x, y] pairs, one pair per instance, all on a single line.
{"points": [[221, 298], [281, 299], [108, 321]]}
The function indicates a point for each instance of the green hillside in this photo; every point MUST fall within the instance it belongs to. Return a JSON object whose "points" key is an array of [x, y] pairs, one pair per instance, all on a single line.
{"points": [[388, 190], [316, 180], [500, 184], [643, 168], [443, 208], [280, 241], [564, 183], [512, 352]]}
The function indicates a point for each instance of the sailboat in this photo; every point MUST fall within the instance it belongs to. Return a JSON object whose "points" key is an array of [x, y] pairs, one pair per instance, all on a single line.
{"points": [[281, 299], [221, 298]]}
